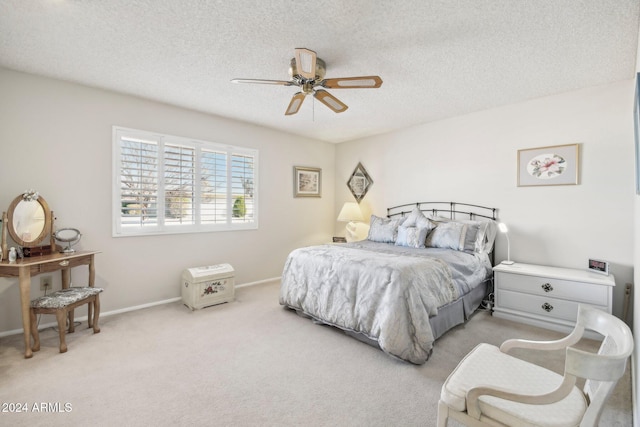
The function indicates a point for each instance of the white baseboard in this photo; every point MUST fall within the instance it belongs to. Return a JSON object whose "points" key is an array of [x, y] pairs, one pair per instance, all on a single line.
{"points": [[133, 308], [259, 282], [102, 314]]}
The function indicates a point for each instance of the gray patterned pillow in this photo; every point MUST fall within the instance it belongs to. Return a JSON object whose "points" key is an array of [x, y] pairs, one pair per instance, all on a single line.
{"points": [[479, 236], [383, 230], [413, 237], [450, 235]]}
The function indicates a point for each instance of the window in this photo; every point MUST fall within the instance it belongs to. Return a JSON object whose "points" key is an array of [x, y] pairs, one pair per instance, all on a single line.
{"points": [[168, 184]]}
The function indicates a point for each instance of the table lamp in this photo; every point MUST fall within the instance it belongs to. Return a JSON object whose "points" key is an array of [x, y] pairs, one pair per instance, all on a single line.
{"points": [[349, 213]]}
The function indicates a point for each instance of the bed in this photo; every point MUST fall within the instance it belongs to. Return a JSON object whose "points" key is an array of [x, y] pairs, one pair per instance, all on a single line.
{"points": [[423, 269]]}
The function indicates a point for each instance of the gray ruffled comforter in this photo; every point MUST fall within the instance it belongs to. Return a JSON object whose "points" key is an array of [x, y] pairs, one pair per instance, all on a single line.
{"points": [[384, 292]]}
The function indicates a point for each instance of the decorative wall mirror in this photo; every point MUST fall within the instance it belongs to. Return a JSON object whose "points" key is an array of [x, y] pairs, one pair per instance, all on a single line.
{"points": [[359, 182], [28, 220]]}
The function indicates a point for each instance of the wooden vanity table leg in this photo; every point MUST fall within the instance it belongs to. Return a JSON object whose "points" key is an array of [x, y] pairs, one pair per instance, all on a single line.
{"points": [[92, 282], [66, 278], [92, 271], [65, 274], [24, 275], [34, 331]]}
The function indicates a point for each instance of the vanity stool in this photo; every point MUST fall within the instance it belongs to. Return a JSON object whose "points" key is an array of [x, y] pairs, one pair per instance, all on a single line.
{"points": [[62, 303]]}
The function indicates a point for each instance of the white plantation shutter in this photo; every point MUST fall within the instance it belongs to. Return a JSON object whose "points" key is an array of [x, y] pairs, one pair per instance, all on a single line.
{"points": [[139, 182], [179, 184], [242, 167], [213, 204], [169, 184]]}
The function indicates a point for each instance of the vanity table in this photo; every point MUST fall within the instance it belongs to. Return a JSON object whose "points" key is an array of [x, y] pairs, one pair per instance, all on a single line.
{"points": [[29, 221], [25, 269]]}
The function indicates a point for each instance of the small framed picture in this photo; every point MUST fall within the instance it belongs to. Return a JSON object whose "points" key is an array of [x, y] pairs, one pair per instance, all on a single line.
{"points": [[599, 266], [307, 182]]}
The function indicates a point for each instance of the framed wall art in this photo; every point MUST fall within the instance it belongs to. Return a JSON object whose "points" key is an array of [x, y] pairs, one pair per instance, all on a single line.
{"points": [[555, 165], [307, 182], [359, 182]]}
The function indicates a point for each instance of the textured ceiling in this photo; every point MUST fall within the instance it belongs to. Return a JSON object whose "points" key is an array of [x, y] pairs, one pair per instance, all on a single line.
{"points": [[437, 58]]}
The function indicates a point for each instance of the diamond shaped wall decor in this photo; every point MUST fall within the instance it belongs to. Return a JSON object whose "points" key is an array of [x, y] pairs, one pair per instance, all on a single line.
{"points": [[359, 182]]}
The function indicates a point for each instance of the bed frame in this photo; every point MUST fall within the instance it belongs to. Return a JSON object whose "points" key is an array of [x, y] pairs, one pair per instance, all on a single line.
{"points": [[460, 310], [453, 209]]}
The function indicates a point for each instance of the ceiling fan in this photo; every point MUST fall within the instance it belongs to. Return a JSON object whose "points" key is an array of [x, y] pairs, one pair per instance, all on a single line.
{"points": [[307, 72]]}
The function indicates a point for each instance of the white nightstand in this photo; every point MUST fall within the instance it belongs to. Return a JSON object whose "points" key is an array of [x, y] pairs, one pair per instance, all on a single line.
{"points": [[548, 297]]}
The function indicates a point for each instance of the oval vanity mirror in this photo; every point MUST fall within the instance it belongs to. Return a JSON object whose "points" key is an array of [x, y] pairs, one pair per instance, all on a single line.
{"points": [[70, 236], [29, 219]]}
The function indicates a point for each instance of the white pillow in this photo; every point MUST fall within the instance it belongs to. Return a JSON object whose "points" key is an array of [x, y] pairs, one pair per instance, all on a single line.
{"points": [[383, 230], [413, 237]]}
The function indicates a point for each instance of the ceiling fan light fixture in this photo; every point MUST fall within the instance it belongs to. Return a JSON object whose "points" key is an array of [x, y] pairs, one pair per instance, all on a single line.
{"points": [[307, 87]]}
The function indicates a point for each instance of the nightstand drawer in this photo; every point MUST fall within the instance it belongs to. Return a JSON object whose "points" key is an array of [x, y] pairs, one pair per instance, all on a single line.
{"points": [[554, 288], [538, 305]]}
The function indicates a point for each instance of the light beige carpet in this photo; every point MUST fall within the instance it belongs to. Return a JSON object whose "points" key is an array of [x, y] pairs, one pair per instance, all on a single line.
{"points": [[245, 363]]}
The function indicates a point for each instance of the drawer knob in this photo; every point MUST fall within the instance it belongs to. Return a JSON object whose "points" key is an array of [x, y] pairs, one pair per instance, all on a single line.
{"points": [[547, 307], [547, 287], [64, 263]]}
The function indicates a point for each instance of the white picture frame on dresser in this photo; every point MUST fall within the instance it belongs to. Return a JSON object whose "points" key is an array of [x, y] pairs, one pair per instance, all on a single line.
{"points": [[548, 297]]}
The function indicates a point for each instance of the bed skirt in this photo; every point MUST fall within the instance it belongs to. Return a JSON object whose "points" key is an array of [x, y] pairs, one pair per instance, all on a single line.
{"points": [[448, 317]]}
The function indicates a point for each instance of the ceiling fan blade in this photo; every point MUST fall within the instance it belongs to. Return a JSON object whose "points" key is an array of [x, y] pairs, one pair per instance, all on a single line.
{"points": [[265, 82], [370, 82], [295, 104], [330, 101], [306, 63]]}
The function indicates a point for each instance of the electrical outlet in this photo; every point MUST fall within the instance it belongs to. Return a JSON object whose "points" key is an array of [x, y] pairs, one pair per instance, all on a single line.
{"points": [[45, 283]]}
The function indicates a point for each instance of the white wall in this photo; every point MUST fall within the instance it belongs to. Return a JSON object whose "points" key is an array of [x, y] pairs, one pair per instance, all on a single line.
{"points": [[472, 159], [636, 294], [56, 138], [636, 313]]}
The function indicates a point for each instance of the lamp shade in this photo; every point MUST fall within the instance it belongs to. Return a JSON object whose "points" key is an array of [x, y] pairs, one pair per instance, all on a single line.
{"points": [[350, 212]]}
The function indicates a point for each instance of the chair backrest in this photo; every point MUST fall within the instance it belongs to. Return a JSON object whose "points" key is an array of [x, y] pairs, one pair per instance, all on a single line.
{"points": [[602, 370]]}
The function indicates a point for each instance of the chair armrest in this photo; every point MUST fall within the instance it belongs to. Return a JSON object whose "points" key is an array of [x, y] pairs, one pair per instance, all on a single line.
{"points": [[473, 395], [560, 344]]}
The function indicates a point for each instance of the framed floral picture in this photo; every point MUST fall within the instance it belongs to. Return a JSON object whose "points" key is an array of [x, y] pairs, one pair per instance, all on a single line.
{"points": [[555, 165], [307, 182]]}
